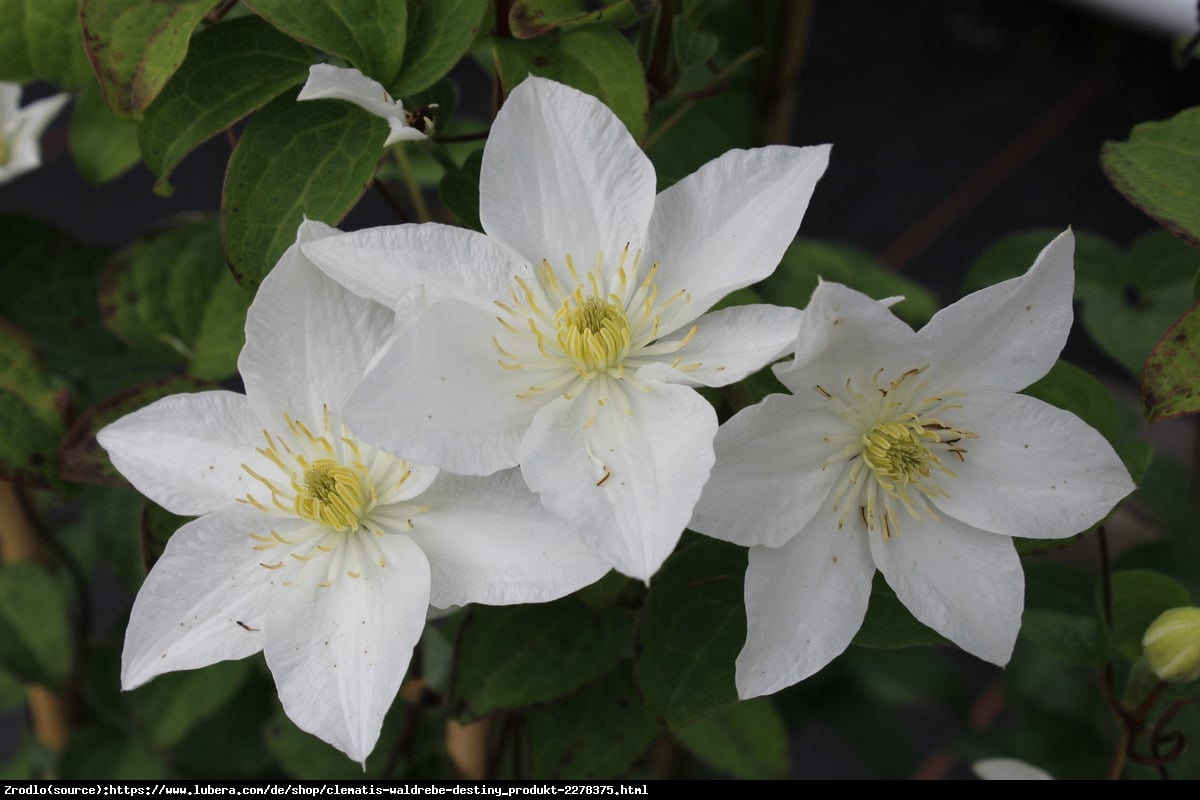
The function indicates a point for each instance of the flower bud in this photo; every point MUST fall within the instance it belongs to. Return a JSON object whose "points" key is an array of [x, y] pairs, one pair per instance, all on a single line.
{"points": [[1172, 645]]}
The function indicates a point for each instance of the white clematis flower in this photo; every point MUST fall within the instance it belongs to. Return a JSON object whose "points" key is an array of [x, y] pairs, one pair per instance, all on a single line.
{"points": [[22, 128], [908, 452], [313, 546], [568, 338], [327, 82]]}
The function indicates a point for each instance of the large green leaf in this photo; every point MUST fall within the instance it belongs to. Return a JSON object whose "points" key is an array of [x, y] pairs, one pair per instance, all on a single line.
{"points": [[806, 260], [41, 39], [1075, 638], [170, 297], [172, 704], [135, 46], [35, 631], [294, 160], [595, 733], [1170, 385], [231, 69], [515, 656], [102, 144], [1158, 170], [530, 18], [596, 59], [1138, 597], [746, 740], [370, 34], [33, 411], [439, 33], [693, 626]]}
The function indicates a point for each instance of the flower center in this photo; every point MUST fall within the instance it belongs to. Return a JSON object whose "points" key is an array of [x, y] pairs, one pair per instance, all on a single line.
{"points": [[593, 332], [898, 452], [332, 495]]}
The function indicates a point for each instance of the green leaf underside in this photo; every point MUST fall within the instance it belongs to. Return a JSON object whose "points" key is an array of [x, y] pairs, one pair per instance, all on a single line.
{"points": [[745, 740], [231, 70], [103, 145], [1170, 385], [170, 297], [294, 160], [597, 732], [80, 456], [1158, 170], [41, 39], [595, 59], [693, 626], [439, 34], [136, 45], [370, 34], [35, 638], [515, 656]]}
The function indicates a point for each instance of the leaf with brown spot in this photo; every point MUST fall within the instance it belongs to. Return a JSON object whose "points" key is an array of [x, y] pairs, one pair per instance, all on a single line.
{"points": [[1170, 384]]}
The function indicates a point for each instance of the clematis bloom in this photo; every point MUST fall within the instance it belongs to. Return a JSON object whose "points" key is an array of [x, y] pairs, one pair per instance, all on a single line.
{"points": [[327, 82], [911, 453], [21, 128], [568, 338], [311, 545]]}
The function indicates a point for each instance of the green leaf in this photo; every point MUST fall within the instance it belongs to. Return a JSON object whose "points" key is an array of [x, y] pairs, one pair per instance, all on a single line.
{"points": [[514, 656], [746, 740], [1158, 170], [530, 18], [35, 633], [12, 692], [693, 626], [439, 33], [370, 34], [595, 59], [231, 69], [172, 704], [1138, 596], [1097, 260], [40, 39], [135, 46], [80, 456], [32, 409], [1070, 388], [170, 297], [1170, 385], [102, 753], [304, 756], [1126, 324], [595, 733], [889, 624], [1075, 638], [459, 190], [294, 160], [806, 260], [103, 145], [157, 526]]}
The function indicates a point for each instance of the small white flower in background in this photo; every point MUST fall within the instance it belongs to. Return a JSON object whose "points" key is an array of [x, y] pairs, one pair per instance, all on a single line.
{"points": [[318, 549], [1009, 769], [22, 128], [568, 339], [909, 452], [327, 82]]}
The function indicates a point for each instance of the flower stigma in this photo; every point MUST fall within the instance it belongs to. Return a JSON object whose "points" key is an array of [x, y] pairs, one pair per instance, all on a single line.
{"points": [[894, 450]]}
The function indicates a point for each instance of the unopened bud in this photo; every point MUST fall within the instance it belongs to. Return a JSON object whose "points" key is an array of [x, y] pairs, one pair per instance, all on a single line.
{"points": [[1172, 645]]}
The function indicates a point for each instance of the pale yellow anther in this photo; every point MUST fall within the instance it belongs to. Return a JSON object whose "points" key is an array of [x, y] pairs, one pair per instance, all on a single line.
{"points": [[332, 495]]}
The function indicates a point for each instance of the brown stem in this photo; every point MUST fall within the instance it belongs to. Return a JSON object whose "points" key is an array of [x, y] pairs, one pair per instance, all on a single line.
{"points": [[798, 30], [461, 137], [656, 72]]}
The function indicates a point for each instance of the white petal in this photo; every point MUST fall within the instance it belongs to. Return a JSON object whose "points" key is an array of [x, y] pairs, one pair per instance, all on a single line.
{"points": [[626, 473], [727, 225], [308, 339], [770, 480], [562, 176], [730, 344], [1008, 335], [964, 583], [37, 116], [207, 581], [400, 131], [845, 334], [804, 603], [327, 82], [1034, 470], [10, 98], [22, 132], [339, 653], [488, 540], [438, 395], [1008, 769], [185, 452], [387, 263]]}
